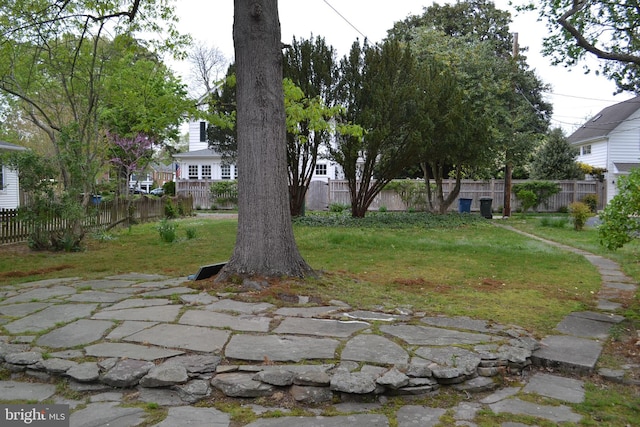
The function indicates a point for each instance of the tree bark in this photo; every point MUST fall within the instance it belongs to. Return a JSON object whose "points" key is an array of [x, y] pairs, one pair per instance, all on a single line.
{"points": [[265, 245]]}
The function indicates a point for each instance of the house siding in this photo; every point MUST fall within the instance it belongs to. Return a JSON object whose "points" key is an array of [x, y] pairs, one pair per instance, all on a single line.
{"points": [[195, 141], [598, 156], [10, 193]]}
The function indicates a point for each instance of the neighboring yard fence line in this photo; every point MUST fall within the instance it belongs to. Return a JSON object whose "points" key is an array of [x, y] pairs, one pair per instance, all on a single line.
{"points": [[99, 216], [320, 197]]}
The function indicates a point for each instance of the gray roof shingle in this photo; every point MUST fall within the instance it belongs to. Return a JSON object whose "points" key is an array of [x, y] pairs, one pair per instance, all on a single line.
{"points": [[605, 121]]}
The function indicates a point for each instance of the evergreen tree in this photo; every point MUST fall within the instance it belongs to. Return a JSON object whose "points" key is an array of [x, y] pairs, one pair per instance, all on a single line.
{"points": [[556, 159]]}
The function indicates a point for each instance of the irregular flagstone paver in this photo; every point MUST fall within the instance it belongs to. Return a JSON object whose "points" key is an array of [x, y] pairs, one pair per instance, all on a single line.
{"points": [[83, 331], [307, 311], [620, 286], [106, 414], [166, 283], [566, 389], [363, 420], [127, 372], [239, 384], [202, 298], [165, 375], [132, 351], [107, 284], [453, 357], [426, 335], [280, 348], [163, 313], [194, 338], [84, 372], [138, 302], [23, 309], [129, 327], [49, 317], [239, 306], [161, 396], [581, 327], [320, 327], [40, 294], [198, 363], [243, 322], [14, 390], [462, 322], [373, 315], [97, 296], [567, 352], [557, 414], [423, 416], [374, 349], [137, 276], [168, 292], [195, 417]]}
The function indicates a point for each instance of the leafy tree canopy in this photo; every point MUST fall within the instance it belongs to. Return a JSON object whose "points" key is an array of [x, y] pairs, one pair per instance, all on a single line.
{"points": [[607, 29]]}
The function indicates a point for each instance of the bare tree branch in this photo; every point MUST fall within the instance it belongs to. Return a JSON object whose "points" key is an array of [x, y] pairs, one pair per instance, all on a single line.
{"points": [[582, 41]]}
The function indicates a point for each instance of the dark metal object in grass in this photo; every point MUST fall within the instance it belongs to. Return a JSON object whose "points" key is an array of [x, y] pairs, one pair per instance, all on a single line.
{"points": [[207, 271]]}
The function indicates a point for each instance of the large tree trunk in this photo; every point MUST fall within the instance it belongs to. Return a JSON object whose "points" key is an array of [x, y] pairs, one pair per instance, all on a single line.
{"points": [[265, 245]]}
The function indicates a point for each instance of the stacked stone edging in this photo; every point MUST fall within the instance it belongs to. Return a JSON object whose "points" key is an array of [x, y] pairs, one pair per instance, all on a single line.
{"points": [[358, 356]]}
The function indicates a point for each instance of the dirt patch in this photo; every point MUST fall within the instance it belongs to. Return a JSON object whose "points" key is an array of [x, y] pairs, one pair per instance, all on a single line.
{"points": [[420, 284], [36, 272]]}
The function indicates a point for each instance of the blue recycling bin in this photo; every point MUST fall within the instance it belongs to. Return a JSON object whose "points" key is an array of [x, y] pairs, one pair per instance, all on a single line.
{"points": [[464, 205], [96, 199]]}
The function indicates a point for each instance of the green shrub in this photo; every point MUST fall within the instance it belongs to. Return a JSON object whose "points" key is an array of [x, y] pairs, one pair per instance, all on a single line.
{"points": [[338, 207], [621, 216], [191, 233], [580, 213], [224, 192], [167, 230], [527, 198], [591, 200], [169, 188], [382, 209], [413, 193], [542, 189], [170, 209]]}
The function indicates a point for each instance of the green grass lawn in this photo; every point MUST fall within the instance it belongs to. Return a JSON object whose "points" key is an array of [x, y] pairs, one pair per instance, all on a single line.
{"points": [[451, 266]]}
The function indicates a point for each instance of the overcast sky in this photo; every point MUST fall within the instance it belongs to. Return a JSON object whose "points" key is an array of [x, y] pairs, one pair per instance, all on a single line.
{"points": [[574, 95]]}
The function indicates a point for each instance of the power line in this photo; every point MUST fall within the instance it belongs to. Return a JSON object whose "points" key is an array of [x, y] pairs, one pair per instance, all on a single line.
{"points": [[345, 19]]}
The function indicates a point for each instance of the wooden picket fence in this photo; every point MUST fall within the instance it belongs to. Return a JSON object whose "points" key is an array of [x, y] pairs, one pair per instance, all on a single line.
{"points": [[99, 215]]}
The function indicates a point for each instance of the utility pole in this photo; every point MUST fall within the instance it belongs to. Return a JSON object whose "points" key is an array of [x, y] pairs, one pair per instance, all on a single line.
{"points": [[508, 168]]}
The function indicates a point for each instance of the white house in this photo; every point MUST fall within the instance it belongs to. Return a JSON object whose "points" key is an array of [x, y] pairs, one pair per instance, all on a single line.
{"points": [[9, 183], [203, 163], [611, 140]]}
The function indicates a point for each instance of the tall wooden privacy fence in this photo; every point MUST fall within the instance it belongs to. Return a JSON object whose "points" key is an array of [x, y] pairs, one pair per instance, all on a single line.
{"points": [[322, 195], [99, 216]]}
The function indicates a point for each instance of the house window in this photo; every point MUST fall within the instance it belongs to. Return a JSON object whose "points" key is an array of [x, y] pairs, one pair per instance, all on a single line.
{"points": [[235, 172], [321, 169], [203, 131], [206, 171], [225, 171], [1, 177], [193, 171], [586, 149]]}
